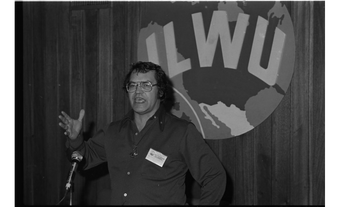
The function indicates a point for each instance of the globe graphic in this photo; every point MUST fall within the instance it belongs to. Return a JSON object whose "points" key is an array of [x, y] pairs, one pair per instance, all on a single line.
{"points": [[222, 101]]}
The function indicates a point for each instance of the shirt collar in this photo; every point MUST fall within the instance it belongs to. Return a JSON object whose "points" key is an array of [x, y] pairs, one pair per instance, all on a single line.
{"points": [[160, 114]]}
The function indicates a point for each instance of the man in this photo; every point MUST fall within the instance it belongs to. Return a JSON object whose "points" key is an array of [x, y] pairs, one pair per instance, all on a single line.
{"points": [[150, 150]]}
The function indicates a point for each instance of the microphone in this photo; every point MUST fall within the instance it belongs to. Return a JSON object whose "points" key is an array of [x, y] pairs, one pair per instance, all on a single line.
{"points": [[76, 157]]}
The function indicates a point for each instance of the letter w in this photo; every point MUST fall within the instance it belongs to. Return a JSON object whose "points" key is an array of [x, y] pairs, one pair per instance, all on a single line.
{"points": [[219, 27]]}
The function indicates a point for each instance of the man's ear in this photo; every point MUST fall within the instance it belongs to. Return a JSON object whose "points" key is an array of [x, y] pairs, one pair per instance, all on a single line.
{"points": [[160, 94]]}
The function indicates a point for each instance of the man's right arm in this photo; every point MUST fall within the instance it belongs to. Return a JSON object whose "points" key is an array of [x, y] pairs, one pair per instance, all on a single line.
{"points": [[92, 150]]}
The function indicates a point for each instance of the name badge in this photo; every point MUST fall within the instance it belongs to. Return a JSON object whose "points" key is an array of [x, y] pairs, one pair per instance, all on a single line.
{"points": [[156, 157]]}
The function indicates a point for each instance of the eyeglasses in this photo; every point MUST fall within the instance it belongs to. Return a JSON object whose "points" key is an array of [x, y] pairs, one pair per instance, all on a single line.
{"points": [[146, 86]]}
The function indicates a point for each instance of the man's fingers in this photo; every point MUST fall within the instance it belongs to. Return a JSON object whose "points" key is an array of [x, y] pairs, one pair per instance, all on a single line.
{"points": [[63, 119], [68, 118], [81, 115], [64, 126]]}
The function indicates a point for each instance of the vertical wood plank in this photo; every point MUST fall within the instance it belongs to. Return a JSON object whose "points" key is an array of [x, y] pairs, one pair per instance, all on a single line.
{"points": [[51, 160], [39, 128], [91, 71], [28, 152], [76, 86], [63, 78], [263, 163], [91, 94], [244, 169], [281, 146], [300, 117], [317, 105], [120, 102], [104, 107], [133, 27], [77, 63]]}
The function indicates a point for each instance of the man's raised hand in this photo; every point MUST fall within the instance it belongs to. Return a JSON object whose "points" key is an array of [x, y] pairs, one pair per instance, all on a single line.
{"points": [[71, 126]]}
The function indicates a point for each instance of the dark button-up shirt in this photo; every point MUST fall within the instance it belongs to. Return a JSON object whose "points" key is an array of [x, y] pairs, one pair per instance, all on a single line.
{"points": [[174, 145]]}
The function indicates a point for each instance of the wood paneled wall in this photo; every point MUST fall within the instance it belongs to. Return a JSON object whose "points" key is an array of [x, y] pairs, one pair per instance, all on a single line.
{"points": [[75, 55], [282, 161]]}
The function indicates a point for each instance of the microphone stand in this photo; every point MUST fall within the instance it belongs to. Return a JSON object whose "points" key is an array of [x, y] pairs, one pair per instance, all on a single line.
{"points": [[69, 186], [71, 189], [76, 158]]}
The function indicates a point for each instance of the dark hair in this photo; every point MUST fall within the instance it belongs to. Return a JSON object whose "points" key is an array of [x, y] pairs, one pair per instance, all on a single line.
{"points": [[144, 67]]}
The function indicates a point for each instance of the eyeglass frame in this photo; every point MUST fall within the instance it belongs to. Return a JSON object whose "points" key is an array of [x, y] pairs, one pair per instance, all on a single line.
{"points": [[138, 84]]}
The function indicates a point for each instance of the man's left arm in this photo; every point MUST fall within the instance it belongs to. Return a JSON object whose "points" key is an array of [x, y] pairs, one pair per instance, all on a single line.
{"points": [[204, 167]]}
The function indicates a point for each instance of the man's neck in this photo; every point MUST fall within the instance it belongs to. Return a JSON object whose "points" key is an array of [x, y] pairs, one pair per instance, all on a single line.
{"points": [[141, 119]]}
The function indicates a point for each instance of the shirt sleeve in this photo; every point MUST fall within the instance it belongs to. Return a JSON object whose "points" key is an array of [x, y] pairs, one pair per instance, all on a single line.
{"points": [[204, 167], [93, 150]]}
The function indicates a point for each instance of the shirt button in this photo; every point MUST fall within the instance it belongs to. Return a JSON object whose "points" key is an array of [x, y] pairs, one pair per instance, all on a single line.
{"points": [[128, 173], [125, 194], [136, 133]]}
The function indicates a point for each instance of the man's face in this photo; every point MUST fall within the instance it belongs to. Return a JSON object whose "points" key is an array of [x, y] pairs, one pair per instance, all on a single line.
{"points": [[144, 103]]}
